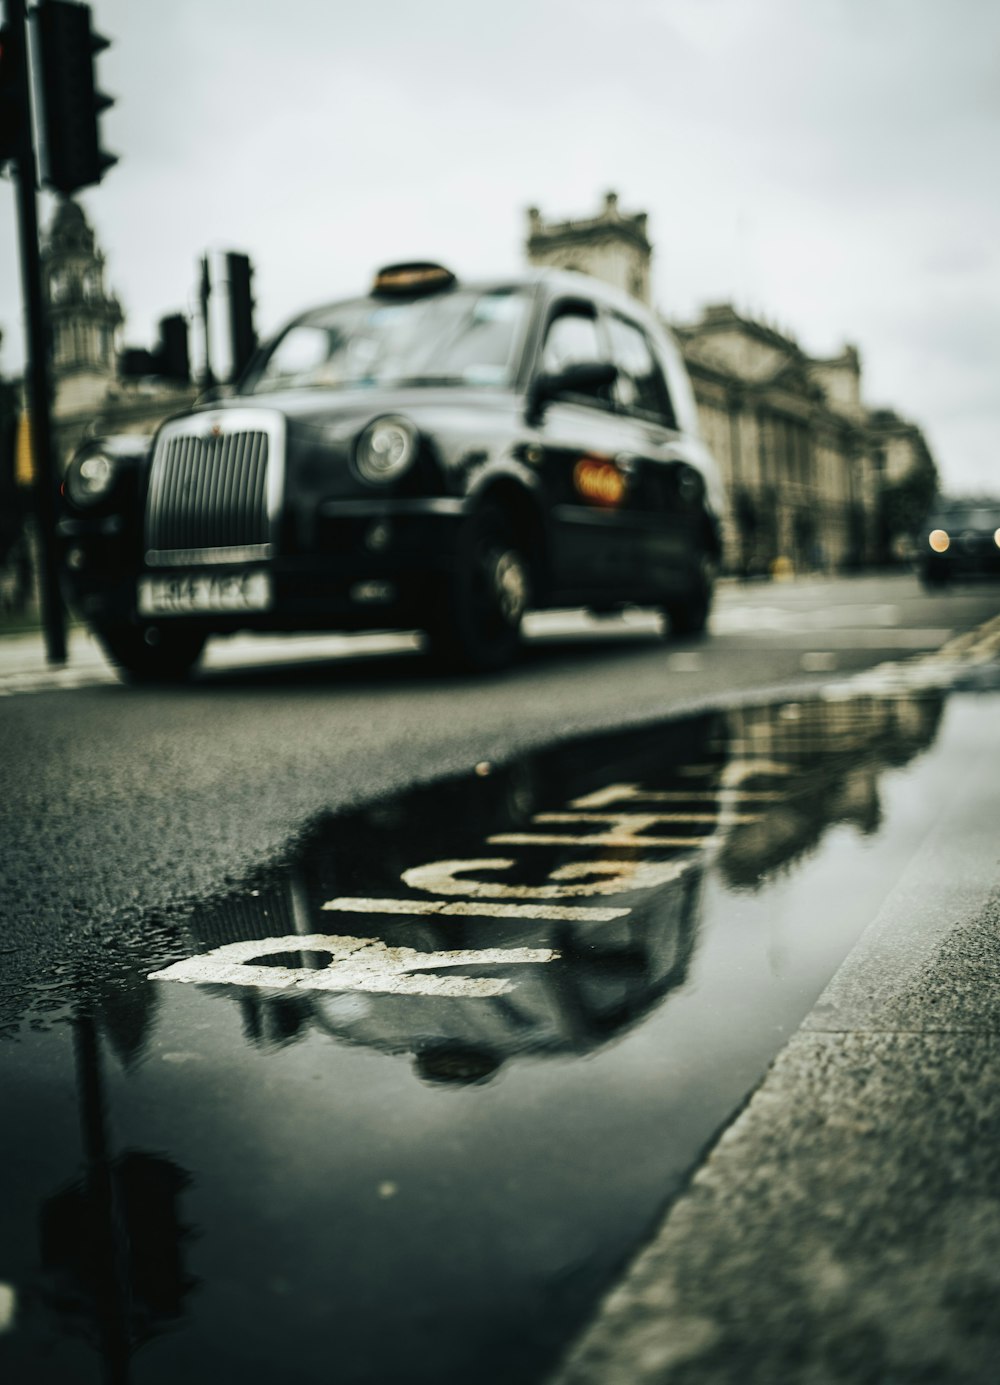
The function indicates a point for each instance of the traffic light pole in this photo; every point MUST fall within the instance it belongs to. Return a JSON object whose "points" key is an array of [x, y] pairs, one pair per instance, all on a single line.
{"points": [[38, 377]]}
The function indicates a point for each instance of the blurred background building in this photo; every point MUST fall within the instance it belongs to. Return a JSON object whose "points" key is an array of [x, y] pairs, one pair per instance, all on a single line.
{"points": [[99, 385], [816, 480]]}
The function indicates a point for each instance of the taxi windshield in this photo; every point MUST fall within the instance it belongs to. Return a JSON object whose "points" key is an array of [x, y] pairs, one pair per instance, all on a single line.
{"points": [[457, 337], [968, 517]]}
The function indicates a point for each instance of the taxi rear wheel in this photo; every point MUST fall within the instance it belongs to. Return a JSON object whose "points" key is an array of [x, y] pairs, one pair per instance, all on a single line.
{"points": [[477, 625], [688, 614], [152, 653]]}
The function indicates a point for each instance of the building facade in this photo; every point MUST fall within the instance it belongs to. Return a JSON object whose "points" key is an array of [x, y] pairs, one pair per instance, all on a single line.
{"points": [[89, 395], [816, 481], [612, 246]]}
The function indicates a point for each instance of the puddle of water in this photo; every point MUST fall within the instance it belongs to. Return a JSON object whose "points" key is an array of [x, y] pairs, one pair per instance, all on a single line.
{"points": [[403, 1110]]}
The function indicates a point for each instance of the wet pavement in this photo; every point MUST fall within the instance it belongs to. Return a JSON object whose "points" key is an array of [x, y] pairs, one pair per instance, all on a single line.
{"points": [[406, 1108]]}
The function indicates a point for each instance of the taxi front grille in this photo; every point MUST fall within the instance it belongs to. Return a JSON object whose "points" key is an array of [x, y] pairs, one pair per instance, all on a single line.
{"points": [[208, 498]]}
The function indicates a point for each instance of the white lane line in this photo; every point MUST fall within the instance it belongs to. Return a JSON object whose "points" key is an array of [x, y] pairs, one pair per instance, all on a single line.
{"points": [[58, 680], [357, 964], [567, 913]]}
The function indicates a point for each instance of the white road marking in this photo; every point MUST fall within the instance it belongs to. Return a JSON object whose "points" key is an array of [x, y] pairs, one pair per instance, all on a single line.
{"points": [[568, 913], [621, 793], [613, 793], [737, 770], [626, 829], [818, 661], [570, 881], [642, 820], [686, 663], [357, 964]]}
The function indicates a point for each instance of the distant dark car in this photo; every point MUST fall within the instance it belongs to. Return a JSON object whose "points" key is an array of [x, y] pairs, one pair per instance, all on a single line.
{"points": [[960, 538], [434, 455]]}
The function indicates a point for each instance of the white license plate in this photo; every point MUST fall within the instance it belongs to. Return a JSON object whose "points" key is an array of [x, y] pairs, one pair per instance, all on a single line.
{"points": [[197, 593]]}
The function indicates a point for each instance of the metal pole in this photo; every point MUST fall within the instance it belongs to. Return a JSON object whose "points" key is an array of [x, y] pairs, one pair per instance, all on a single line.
{"points": [[38, 379], [205, 294]]}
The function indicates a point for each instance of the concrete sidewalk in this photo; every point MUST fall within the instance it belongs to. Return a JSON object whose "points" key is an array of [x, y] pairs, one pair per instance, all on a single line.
{"points": [[846, 1226]]}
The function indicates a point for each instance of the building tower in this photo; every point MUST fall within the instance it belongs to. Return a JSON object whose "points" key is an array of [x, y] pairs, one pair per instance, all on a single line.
{"points": [[84, 317], [611, 246]]}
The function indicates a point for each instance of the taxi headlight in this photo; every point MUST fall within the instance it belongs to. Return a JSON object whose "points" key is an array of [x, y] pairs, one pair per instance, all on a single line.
{"points": [[385, 449], [89, 478], [939, 540]]}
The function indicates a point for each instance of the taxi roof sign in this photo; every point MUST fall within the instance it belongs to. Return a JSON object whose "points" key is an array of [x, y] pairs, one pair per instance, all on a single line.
{"points": [[415, 277]]}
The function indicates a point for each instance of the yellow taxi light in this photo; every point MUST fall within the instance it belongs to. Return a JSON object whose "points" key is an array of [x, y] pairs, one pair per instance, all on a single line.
{"points": [[419, 277], [939, 540], [599, 481]]}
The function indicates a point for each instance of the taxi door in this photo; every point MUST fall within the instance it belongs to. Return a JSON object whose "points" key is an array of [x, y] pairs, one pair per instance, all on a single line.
{"points": [[663, 509], [581, 438]]}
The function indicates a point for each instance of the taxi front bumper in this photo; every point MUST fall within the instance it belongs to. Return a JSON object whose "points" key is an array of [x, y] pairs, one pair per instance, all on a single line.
{"points": [[366, 564]]}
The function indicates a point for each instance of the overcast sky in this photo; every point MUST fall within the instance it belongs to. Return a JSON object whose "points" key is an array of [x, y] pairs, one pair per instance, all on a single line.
{"points": [[828, 165]]}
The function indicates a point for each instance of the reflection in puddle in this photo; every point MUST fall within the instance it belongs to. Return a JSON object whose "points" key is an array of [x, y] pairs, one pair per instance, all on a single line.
{"points": [[482, 956], [359, 1142]]}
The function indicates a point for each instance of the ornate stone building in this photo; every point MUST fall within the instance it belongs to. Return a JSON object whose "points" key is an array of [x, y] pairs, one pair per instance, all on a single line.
{"points": [[790, 434], [815, 479], [86, 320], [84, 317], [611, 246]]}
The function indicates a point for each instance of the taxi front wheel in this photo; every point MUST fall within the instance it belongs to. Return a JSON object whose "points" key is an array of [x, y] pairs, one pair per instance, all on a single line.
{"points": [[477, 622], [152, 653]]}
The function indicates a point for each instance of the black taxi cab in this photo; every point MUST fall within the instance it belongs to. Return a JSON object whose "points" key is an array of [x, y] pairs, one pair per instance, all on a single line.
{"points": [[435, 455], [960, 540]]}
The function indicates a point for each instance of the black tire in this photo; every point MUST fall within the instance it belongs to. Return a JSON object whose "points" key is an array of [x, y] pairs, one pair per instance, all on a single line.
{"points": [[477, 623], [688, 614], [152, 653]]}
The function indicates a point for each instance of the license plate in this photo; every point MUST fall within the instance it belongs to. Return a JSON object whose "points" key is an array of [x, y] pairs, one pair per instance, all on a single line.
{"points": [[201, 593]]}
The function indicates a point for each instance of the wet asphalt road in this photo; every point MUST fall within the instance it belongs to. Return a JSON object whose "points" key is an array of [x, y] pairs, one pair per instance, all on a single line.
{"points": [[305, 1090]]}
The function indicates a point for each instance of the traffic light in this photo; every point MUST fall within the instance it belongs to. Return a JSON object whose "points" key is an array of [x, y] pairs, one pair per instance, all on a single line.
{"points": [[113, 1251], [69, 102], [243, 338]]}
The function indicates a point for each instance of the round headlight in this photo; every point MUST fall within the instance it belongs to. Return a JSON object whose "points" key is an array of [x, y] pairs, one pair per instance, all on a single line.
{"points": [[939, 540], [89, 478], [385, 449]]}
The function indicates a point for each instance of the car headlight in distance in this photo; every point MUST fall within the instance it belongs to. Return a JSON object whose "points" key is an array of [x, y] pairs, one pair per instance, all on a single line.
{"points": [[939, 540], [89, 477], [385, 449], [996, 537]]}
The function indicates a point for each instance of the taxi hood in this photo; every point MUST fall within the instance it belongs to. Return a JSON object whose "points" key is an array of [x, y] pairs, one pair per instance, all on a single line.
{"points": [[318, 408]]}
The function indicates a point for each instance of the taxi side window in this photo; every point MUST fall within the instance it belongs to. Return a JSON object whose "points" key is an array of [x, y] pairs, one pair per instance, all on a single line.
{"points": [[573, 338], [641, 387]]}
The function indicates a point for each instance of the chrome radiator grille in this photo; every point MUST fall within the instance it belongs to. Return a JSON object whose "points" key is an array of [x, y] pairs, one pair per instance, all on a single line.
{"points": [[209, 493]]}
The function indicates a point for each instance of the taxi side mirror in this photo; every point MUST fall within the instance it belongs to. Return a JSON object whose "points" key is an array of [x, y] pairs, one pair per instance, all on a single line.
{"points": [[585, 377]]}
